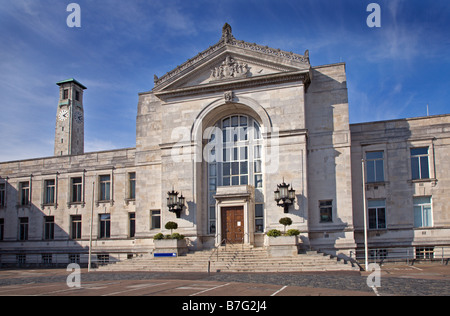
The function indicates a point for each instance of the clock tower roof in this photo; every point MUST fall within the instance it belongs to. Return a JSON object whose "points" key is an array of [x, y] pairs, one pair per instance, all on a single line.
{"points": [[71, 80]]}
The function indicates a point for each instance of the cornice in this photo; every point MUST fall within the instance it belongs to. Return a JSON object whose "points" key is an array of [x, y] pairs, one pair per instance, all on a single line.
{"points": [[303, 76]]}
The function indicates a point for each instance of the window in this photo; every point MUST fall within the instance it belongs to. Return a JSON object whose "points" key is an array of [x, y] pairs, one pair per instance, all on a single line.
{"points": [[420, 168], [257, 160], [235, 150], [2, 228], [378, 254], [212, 220], [47, 258], [65, 94], [377, 214], [132, 224], [49, 228], [2, 195], [102, 259], [75, 225], [156, 219], [234, 155], [23, 228], [326, 211], [74, 258], [105, 188], [21, 259], [422, 212], [132, 185], [77, 190], [105, 225], [259, 218], [24, 193], [375, 166], [77, 95], [424, 252], [49, 192]]}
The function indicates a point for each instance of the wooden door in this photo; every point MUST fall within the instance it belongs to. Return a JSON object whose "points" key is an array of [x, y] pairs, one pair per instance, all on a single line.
{"points": [[233, 224]]}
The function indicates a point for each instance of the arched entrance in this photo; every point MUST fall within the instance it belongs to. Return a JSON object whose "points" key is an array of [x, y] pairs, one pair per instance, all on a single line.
{"points": [[229, 139]]}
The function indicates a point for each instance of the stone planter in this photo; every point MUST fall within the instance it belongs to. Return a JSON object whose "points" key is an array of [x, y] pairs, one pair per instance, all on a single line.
{"points": [[171, 246], [283, 246]]}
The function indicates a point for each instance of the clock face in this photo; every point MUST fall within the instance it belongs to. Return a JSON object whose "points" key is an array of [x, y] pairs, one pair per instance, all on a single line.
{"points": [[63, 115], [78, 117]]}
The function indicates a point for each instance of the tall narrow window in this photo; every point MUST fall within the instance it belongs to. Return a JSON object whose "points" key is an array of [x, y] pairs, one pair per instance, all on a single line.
{"points": [[377, 214], [2, 195], [65, 94], [105, 188], [375, 166], [2, 228], [259, 218], [75, 226], [49, 228], [49, 191], [420, 168], [23, 228], [77, 190], [24, 192], [105, 225], [132, 185], [422, 212], [132, 224], [212, 220]]}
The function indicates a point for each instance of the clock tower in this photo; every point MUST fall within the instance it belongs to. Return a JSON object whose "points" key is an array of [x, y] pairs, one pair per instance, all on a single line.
{"points": [[69, 131]]}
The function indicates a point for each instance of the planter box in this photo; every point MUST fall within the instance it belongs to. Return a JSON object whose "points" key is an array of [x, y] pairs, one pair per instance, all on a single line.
{"points": [[171, 246], [283, 246]]}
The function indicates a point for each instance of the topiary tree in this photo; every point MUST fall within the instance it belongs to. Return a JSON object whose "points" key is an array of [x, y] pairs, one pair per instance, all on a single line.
{"points": [[171, 226], [285, 221]]}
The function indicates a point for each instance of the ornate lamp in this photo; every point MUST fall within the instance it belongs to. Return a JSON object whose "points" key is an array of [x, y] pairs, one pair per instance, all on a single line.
{"points": [[175, 203], [284, 196]]}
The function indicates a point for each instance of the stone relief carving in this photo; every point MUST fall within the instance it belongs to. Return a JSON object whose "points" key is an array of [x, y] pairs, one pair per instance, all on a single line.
{"points": [[228, 95], [229, 69]]}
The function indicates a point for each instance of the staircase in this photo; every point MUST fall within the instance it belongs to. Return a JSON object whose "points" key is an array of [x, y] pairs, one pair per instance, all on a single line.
{"points": [[233, 259]]}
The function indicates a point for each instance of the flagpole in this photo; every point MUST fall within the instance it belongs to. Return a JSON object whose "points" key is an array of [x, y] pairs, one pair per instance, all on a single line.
{"points": [[91, 225], [366, 250]]}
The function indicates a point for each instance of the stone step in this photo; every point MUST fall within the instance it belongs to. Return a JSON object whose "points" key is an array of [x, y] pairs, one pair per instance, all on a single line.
{"points": [[232, 260]]}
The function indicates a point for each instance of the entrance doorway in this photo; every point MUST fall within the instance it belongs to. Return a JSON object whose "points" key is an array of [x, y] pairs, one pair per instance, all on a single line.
{"points": [[233, 224]]}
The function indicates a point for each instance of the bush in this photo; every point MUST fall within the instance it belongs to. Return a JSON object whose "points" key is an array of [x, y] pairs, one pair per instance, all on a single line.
{"points": [[274, 233], [176, 236], [158, 236], [293, 232]]}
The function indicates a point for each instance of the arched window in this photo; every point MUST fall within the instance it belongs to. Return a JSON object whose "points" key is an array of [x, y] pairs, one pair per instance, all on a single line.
{"points": [[234, 154]]}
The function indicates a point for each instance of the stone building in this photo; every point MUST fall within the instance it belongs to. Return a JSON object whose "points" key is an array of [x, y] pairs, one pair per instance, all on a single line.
{"points": [[225, 129]]}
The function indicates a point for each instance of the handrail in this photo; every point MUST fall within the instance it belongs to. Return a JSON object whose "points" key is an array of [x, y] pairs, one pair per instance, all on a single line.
{"points": [[216, 250]]}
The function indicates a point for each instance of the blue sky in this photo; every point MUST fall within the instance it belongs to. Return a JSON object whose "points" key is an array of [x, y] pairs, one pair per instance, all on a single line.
{"points": [[392, 72]]}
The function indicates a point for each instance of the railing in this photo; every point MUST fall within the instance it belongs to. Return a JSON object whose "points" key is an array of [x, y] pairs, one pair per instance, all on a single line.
{"points": [[57, 259], [409, 255], [216, 251]]}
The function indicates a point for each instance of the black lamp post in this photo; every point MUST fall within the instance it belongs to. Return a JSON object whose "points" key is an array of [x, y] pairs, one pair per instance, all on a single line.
{"points": [[175, 203], [284, 196]]}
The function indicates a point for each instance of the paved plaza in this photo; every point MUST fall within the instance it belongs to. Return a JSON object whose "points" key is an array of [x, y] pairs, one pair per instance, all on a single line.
{"points": [[403, 280]]}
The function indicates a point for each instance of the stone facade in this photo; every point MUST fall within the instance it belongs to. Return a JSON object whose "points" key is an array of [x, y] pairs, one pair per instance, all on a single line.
{"points": [[224, 129]]}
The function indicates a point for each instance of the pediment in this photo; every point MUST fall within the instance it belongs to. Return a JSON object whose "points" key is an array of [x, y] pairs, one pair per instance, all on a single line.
{"points": [[231, 61]]}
